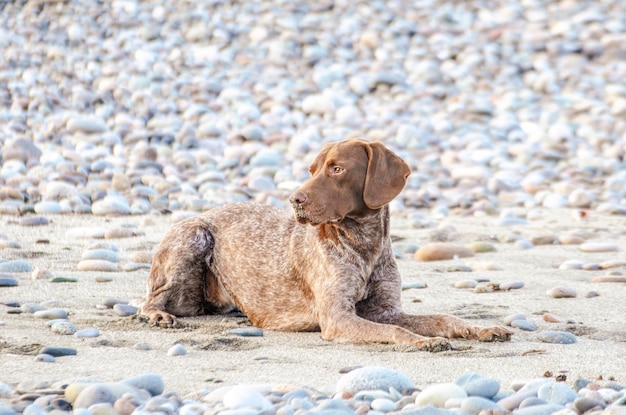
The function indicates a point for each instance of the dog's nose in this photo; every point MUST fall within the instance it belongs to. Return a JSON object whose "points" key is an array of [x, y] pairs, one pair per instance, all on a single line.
{"points": [[298, 198]]}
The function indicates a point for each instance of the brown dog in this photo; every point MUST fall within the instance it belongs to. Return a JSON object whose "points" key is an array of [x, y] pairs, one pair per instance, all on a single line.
{"points": [[331, 269]]}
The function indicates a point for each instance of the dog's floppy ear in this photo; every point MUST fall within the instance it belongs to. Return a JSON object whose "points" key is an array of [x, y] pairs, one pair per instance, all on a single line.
{"points": [[386, 175]]}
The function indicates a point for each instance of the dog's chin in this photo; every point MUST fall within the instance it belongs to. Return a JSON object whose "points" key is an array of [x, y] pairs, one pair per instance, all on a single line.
{"points": [[303, 218]]}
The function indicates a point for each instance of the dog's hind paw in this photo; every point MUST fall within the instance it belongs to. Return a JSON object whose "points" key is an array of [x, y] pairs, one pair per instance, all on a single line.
{"points": [[493, 334]]}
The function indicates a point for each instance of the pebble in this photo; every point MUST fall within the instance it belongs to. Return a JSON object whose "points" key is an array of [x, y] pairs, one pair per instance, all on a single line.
{"points": [[58, 351], [97, 265], [63, 327], [438, 394], [598, 247], [247, 332], [53, 313], [34, 220], [64, 278], [414, 285], [101, 254], [609, 278], [559, 337], [475, 384], [561, 292], [372, 378], [87, 333], [15, 266], [511, 285], [124, 310], [177, 350], [523, 324], [6, 280], [441, 251], [466, 284]]}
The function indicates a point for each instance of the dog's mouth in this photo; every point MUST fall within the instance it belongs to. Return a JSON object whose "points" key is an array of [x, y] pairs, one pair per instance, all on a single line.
{"points": [[303, 217]]}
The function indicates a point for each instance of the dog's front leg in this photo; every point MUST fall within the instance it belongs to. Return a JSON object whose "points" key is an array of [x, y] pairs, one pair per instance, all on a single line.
{"points": [[449, 327], [346, 326]]}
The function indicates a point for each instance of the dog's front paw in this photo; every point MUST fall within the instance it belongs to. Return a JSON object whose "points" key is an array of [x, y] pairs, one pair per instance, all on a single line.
{"points": [[160, 318], [434, 344], [493, 334]]}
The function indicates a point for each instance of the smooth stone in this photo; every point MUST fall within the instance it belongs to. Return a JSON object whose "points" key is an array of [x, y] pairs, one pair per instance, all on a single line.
{"points": [[545, 240], [615, 263], [125, 310], [41, 274], [478, 385], [46, 358], [532, 401], [64, 278], [466, 284], [372, 378], [15, 266], [86, 124], [556, 393], [481, 247], [34, 220], [511, 285], [58, 351], [512, 317], [558, 337], [53, 313], [243, 396], [442, 251], [103, 278], [437, 394], [484, 266], [110, 302], [86, 233], [523, 244], [177, 350], [584, 405], [551, 318], [63, 327], [539, 410], [121, 233], [524, 325], [102, 254], [592, 294], [8, 281], [94, 394], [111, 206], [571, 264], [476, 405], [609, 278], [247, 332], [134, 266], [512, 221], [383, 405], [598, 247], [459, 268], [87, 333], [414, 285], [571, 240], [31, 307], [561, 292], [150, 382], [97, 265]]}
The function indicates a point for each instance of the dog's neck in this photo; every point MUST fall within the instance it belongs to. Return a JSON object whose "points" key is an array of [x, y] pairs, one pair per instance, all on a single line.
{"points": [[362, 234]]}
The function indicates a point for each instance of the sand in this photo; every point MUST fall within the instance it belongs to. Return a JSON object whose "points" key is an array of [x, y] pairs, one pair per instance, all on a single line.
{"points": [[216, 358]]}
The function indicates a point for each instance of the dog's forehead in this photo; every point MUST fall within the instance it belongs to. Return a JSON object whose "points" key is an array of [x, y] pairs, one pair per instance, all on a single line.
{"points": [[348, 151]]}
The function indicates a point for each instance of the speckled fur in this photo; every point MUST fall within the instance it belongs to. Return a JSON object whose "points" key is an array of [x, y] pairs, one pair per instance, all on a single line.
{"points": [[327, 267]]}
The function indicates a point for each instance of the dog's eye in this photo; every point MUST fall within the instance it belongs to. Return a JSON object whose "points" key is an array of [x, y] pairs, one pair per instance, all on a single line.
{"points": [[338, 170]]}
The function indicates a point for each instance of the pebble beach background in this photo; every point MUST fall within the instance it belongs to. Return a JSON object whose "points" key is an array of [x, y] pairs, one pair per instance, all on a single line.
{"points": [[118, 118]]}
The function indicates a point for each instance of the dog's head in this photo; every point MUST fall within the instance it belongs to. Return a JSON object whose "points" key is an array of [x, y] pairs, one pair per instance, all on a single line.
{"points": [[350, 178]]}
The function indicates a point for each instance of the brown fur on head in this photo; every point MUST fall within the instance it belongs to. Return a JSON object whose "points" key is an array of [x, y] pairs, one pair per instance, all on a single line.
{"points": [[374, 175]]}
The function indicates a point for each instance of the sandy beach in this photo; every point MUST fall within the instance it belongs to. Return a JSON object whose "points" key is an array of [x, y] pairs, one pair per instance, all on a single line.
{"points": [[217, 358]]}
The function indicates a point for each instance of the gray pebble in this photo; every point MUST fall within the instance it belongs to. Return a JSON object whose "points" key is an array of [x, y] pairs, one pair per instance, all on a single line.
{"points": [[559, 337], [556, 393], [31, 307], [63, 327], [87, 333], [15, 266], [33, 220], [52, 313], [523, 325], [8, 281], [44, 357], [58, 351], [372, 378], [247, 332], [150, 382], [124, 310], [94, 394], [478, 385], [177, 350], [101, 254]]}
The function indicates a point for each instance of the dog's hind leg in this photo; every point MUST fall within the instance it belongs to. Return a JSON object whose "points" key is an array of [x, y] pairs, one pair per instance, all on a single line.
{"points": [[180, 282]]}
